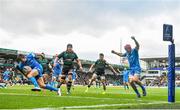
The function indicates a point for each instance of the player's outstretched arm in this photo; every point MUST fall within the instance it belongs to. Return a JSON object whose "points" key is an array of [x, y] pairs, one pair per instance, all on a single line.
{"points": [[90, 69], [117, 53], [80, 65], [136, 42], [118, 70], [112, 69]]}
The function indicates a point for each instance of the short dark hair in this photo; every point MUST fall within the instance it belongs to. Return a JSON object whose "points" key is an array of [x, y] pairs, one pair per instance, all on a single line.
{"points": [[101, 54], [19, 57], [69, 45]]}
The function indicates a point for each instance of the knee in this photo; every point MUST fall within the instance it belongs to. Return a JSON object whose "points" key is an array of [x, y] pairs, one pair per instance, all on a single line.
{"points": [[70, 77], [131, 81], [103, 83], [93, 78], [69, 83], [42, 85], [29, 75]]}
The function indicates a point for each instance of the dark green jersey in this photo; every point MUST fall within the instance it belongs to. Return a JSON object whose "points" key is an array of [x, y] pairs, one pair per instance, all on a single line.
{"points": [[44, 63], [68, 58], [100, 65]]}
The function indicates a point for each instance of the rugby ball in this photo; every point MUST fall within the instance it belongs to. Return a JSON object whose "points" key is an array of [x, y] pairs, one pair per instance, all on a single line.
{"points": [[26, 69]]}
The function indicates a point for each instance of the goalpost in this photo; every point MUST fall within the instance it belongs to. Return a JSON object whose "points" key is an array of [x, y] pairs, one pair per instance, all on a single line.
{"points": [[168, 36]]}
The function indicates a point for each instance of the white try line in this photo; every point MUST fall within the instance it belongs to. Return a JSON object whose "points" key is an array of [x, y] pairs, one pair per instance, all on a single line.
{"points": [[132, 93], [78, 97], [83, 97], [101, 105], [111, 105], [92, 106]]}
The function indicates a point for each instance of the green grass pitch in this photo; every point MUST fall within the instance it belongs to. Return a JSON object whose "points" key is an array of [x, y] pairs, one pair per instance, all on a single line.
{"points": [[21, 97]]}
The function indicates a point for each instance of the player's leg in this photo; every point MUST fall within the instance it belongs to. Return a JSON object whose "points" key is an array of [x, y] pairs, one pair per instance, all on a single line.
{"points": [[46, 86], [62, 77], [138, 82], [99, 84], [127, 85], [31, 76], [69, 82], [62, 80], [41, 83], [73, 79], [132, 83], [45, 77], [103, 83], [124, 84], [91, 81], [5, 81], [55, 75], [96, 84], [53, 81]]}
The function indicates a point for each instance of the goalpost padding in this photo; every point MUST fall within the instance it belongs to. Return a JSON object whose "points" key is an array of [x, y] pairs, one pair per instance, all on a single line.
{"points": [[171, 73]]}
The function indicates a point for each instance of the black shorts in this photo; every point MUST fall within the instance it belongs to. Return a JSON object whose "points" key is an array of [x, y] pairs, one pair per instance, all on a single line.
{"points": [[100, 73], [67, 70]]}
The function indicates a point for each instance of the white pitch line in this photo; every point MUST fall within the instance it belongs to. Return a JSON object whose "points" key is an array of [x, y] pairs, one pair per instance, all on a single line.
{"points": [[108, 105], [18, 94], [67, 96], [91, 106], [100, 105]]}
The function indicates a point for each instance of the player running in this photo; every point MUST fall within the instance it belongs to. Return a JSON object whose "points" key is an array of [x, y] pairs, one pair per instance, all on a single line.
{"points": [[68, 57], [99, 72], [126, 79], [135, 69], [74, 76], [7, 76], [57, 71], [125, 74], [35, 73]]}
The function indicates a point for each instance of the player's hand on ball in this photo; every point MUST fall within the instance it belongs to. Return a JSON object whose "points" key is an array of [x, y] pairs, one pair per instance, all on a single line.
{"points": [[27, 69]]}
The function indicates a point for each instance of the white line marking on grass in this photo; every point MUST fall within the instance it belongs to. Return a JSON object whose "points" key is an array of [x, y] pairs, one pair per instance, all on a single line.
{"points": [[92, 106], [95, 98], [67, 96], [109, 105], [133, 93], [101, 105]]}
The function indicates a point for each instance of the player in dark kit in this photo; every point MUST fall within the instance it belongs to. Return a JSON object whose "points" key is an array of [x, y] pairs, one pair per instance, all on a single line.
{"points": [[68, 57], [99, 72], [46, 66]]}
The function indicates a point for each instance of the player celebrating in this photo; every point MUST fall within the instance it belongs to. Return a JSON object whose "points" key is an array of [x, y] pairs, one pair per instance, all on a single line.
{"points": [[135, 69], [99, 73], [35, 73], [68, 56]]}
